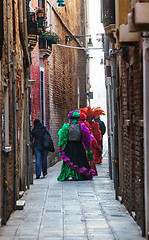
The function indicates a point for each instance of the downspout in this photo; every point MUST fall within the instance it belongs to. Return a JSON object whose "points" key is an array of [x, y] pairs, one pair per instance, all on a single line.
{"points": [[8, 32], [14, 127], [115, 127], [106, 48], [87, 70], [4, 177], [1, 29], [30, 151], [108, 88], [146, 130], [31, 140]]}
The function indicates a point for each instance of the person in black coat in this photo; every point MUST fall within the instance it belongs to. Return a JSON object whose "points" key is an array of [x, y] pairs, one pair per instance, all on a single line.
{"points": [[102, 128], [40, 152]]}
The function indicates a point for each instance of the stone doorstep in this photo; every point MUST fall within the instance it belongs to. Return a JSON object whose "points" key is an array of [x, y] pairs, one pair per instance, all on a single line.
{"points": [[21, 193], [20, 204], [120, 199], [133, 215]]}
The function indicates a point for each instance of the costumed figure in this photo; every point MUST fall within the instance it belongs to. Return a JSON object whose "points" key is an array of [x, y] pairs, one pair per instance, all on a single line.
{"points": [[94, 144], [91, 114], [74, 138], [102, 128]]}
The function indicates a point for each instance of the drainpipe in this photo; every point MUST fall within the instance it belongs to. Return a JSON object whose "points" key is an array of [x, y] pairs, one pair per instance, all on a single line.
{"points": [[115, 127], [14, 127], [29, 149], [108, 86], [4, 218], [146, 130], [1, 28], [106, 48], [141, 188], [107, 57], [5, 179], [87, 70], [8, 33], [108, 89]]}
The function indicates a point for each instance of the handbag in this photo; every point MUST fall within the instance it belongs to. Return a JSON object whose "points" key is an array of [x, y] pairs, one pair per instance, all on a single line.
{"points": [[47, 142]]}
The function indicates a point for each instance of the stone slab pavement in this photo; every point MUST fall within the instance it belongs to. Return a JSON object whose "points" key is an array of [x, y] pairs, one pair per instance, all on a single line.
{"points": [[71, 210]]}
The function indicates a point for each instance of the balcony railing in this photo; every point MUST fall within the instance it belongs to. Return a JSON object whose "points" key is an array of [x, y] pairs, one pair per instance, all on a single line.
{"points": [[47, 40], [42, 43], [44, 47], [108, 12], [32, 29]]}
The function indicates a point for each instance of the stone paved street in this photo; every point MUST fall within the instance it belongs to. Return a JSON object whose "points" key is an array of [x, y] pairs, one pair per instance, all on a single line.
{"points": [[74, 210]]}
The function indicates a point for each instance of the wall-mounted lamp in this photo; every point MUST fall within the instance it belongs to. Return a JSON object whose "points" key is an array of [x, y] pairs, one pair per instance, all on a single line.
{"points": [[88, 57], [90, 95], [90, 44], [60, 3], [101, 60], [70, 38]]}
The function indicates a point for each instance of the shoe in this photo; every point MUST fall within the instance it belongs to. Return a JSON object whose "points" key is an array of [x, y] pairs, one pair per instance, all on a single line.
{"points": [[37, 177], [70, 178]]}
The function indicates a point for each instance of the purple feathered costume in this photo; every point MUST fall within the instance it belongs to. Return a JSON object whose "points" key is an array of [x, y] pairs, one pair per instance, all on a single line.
{"points": [[75, 138]]}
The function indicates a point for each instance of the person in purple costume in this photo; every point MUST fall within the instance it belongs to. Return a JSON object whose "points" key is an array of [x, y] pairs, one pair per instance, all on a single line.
{"points": [[74, 138]]}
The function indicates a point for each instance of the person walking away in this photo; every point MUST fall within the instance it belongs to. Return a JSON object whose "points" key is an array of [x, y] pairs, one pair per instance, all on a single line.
{"points": [[94, 146], [91, 114], [102, 128], [74, 137], [40, 152]]}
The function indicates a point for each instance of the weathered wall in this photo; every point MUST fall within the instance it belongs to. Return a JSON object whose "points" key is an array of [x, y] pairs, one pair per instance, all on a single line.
{"points": [[132, 130], [64, 70], [20, 170]]}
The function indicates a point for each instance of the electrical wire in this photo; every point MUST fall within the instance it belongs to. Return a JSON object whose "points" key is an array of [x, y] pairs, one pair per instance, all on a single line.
{"points": [[81, 48]]}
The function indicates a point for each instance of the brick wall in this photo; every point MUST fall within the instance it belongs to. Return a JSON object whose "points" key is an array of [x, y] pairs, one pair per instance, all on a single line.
{"points": [[22, 120], [64, 72], [132, 109]]}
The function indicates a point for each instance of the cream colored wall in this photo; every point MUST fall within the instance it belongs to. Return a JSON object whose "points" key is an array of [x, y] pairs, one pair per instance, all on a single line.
{"points": [[122, 10]]}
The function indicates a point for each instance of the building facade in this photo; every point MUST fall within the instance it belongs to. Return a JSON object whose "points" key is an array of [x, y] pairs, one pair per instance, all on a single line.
{"points": [[58, 65], [126, 69], [15, 168], [36, 51]]}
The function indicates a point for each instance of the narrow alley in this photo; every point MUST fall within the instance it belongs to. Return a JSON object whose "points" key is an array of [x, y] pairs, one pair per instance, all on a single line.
{"points": [[71, 210]]}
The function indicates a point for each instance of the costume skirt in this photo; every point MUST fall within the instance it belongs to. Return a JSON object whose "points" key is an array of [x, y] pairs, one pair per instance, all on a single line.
{"points": [[75, 163]]}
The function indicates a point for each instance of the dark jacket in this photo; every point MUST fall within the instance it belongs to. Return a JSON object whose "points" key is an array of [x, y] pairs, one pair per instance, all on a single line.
{"points": [[37, 134], [102, 126]]}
